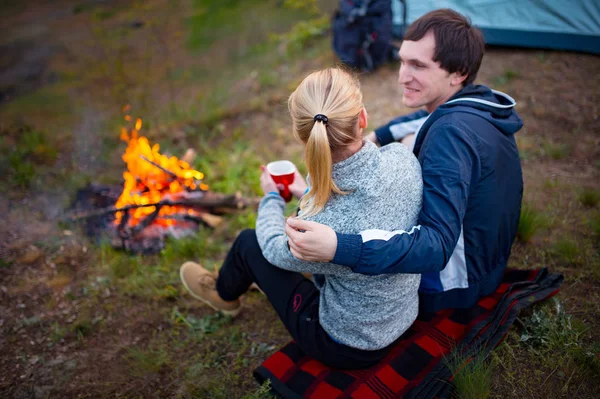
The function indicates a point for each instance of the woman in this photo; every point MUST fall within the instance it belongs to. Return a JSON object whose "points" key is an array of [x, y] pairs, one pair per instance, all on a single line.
{"points": [[343, 319]]}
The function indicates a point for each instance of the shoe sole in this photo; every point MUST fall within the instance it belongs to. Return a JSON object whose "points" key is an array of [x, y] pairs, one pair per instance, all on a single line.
{"points": [[230, 313]]}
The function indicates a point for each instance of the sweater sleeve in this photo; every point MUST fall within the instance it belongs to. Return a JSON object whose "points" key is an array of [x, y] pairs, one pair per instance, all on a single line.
{"points": [[449, 164], [400, 127], [270, 231]]}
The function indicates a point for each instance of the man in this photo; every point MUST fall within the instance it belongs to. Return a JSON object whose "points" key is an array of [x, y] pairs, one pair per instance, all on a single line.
{"points": [[472, 175]]}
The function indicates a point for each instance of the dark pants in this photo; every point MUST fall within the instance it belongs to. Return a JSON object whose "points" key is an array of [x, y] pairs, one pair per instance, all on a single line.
{"points": [[294, 298]]}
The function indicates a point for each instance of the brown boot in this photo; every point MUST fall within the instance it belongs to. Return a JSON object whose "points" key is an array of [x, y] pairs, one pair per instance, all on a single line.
{"points": [[202, 285]]}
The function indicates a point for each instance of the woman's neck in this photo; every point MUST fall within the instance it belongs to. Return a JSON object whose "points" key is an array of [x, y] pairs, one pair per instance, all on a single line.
{"points": [[346, 152]]}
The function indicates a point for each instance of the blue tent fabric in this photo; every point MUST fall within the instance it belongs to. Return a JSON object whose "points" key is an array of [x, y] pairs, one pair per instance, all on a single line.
{"points": [[554, 24]]}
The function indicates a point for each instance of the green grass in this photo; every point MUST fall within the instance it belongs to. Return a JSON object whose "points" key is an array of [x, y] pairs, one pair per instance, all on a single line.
{"points": [[567, 250], [530, 223], [57, 333], [589, 197], [49, 103], [230, 169], [200, 326], [474, 379], [29, 152], [301, 34], [550, 328], [213, 20], [594, 224], [144, 361], [556, 151], [507, 76]]}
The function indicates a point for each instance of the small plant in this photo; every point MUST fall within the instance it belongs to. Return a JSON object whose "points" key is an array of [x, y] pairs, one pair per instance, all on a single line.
{"points": [[206, 325], [27, 150], [594, 224], [301, 34], [589, 197], [57, 333], [556, 151], [142, 362], [203, 245], [550, 328], [567, 250], [120, 264], [530, 222], [83, 328], [507, 76], [306, 5], [474, 379], [263, 392]]}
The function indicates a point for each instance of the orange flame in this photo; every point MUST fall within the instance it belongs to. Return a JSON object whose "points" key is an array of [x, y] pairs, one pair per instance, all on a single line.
{"points": [[150, 176]]}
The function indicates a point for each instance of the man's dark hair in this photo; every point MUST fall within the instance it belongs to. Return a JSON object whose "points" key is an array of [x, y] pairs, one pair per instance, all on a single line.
{"points": [[459, 46]]}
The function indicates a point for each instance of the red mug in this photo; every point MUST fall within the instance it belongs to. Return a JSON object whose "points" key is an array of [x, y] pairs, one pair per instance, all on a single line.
{"points": [[283, 172]]}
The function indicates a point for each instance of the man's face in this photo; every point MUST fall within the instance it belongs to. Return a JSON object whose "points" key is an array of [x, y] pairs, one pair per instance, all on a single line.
{"points": [[423, 81]]}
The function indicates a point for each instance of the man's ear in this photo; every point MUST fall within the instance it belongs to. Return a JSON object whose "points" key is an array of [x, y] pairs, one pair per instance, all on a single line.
{"points": [[457, 79], [363, 119]]}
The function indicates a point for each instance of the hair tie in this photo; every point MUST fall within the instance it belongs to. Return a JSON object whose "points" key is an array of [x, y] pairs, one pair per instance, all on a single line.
{"points": [[322, 118]]}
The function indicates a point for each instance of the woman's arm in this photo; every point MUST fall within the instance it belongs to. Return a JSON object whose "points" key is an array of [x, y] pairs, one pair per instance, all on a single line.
{"points": [[270, 231]]}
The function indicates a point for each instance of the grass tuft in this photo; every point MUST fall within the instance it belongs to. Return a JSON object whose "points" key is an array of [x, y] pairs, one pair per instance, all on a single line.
{"points": [[473, 380], [530, 222], [556, 151], [507, 76], [28, 152], [594, 224], [301, 35], [146, 361], [566, 250], [589, 197], [201, 326]]}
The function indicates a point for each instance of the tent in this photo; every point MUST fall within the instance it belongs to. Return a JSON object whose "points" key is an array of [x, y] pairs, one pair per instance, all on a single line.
{"points": [[553, 24]]}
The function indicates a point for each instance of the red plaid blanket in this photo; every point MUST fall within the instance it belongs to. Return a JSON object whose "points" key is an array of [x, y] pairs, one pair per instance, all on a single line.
{"points": [[413, 368]]}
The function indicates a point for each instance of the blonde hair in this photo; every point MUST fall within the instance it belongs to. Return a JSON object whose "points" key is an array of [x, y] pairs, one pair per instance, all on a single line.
{"points": [[335, 94]]}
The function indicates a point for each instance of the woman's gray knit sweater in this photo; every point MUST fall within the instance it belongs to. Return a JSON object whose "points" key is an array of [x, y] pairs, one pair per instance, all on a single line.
{"points": [[385, 193]]}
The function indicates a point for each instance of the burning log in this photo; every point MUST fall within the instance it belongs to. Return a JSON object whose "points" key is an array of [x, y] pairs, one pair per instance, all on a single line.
{"points": [[211, 202], [161, 196]]}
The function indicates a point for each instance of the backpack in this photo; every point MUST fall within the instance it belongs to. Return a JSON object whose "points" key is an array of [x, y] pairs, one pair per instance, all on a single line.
{"points": [[362, 33]]}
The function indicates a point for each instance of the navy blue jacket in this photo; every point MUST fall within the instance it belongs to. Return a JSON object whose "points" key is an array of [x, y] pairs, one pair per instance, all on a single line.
{"points": [[473, 185]]}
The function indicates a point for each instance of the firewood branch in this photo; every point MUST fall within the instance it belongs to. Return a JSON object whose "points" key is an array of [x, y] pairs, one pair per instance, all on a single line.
{"points": [[208, 203]]}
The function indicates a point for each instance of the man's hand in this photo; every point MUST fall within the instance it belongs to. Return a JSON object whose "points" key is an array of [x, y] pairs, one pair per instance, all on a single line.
{"points": [[311, 241]]}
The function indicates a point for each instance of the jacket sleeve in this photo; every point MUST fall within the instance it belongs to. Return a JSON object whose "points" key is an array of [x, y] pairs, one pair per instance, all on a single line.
{"points": [[450, 164], [399, 127], [273, 242]]}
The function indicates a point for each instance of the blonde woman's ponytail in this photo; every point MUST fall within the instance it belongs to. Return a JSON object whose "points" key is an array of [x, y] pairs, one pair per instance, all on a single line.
{"points": [[325, 109], [319, 163]]}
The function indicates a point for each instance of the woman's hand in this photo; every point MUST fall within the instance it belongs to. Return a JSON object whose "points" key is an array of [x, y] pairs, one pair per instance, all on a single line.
{"points": [[299, 186], [266, 181]]}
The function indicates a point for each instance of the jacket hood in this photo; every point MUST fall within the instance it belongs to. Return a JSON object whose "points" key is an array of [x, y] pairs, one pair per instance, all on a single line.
{"points": [[495, 106]]}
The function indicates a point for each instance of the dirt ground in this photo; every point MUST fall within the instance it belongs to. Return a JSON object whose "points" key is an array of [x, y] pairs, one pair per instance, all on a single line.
{"points": [[70, 328]]}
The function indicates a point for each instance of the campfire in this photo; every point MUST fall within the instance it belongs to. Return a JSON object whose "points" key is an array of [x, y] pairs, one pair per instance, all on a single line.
{"points": [[161, 196]]}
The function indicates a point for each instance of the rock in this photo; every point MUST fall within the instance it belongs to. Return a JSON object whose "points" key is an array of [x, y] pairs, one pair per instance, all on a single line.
{"points": [[32, 255]]}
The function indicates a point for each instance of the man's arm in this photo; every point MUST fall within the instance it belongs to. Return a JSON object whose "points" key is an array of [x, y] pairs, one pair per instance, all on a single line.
{"points": [[449, 164], [398, 128]]}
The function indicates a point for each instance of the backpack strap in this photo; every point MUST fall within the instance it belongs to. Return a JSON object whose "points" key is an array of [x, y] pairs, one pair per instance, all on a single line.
{"points": [[358, 12]]}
